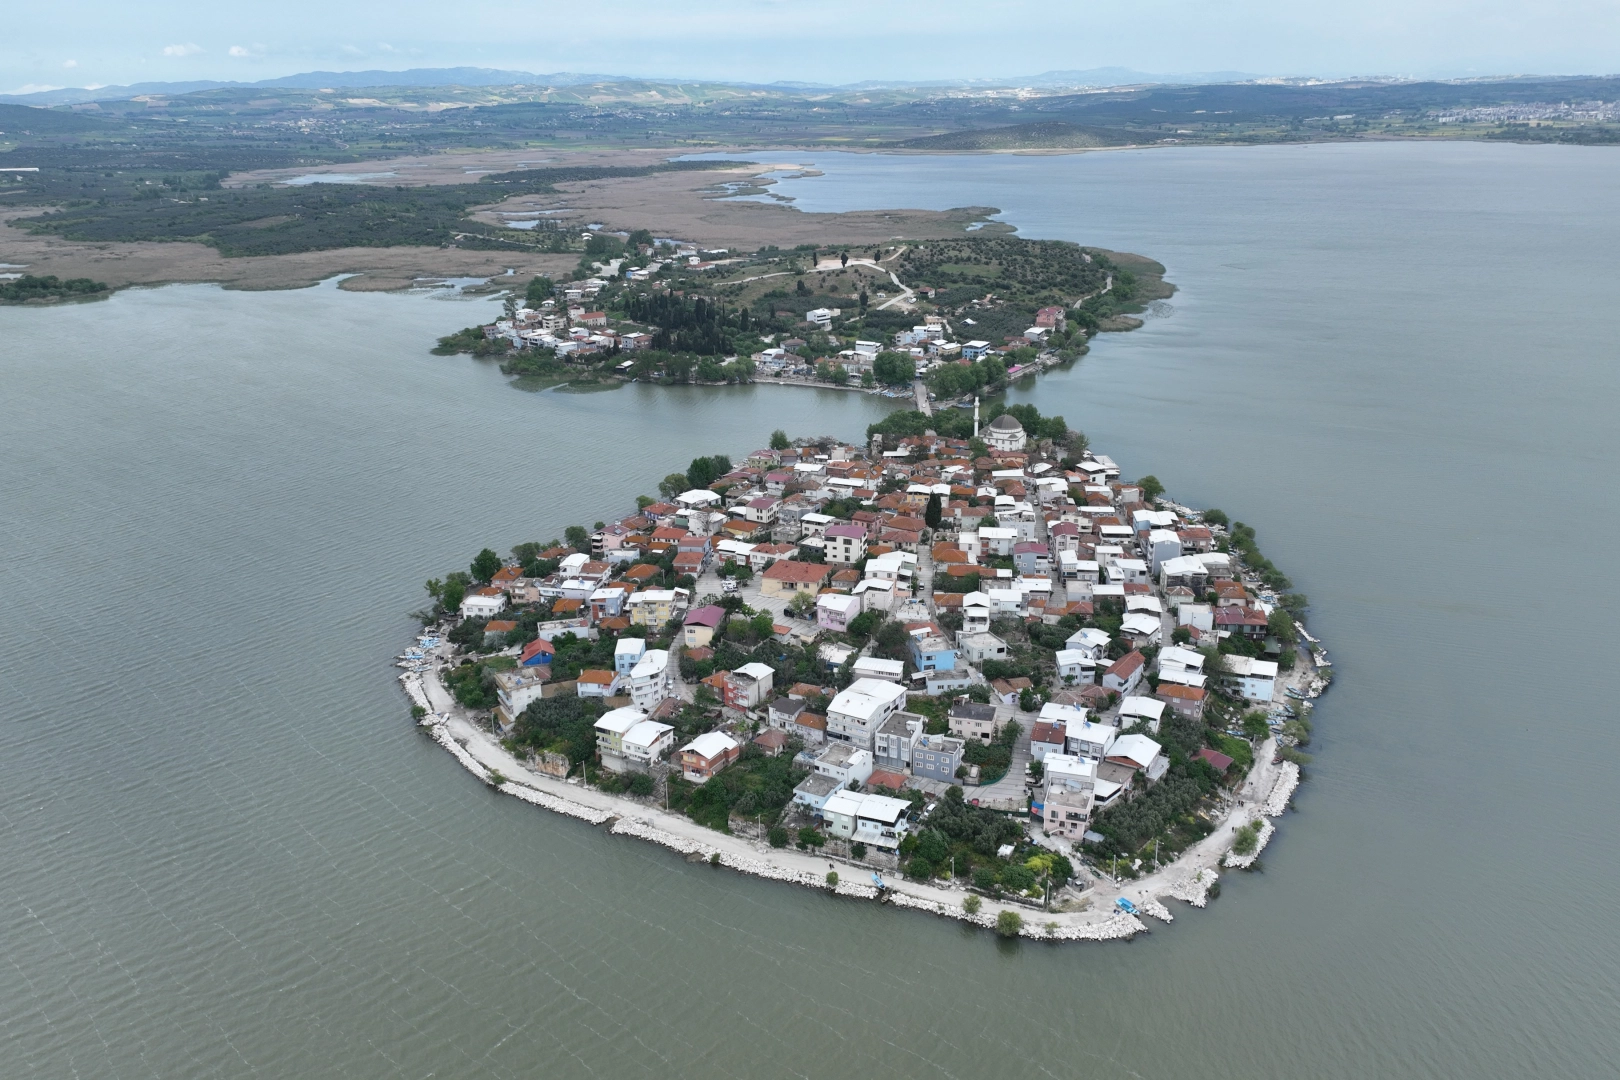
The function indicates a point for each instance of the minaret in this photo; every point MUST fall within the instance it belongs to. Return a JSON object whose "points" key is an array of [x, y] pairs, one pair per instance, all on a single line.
{"points": [[975, 416]]}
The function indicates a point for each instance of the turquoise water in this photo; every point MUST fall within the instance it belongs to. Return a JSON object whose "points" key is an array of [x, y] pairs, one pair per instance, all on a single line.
{"points": [[227, 852]]}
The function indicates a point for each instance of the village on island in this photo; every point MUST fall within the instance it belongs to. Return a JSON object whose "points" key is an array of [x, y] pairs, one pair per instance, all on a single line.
{"points": [[981, 676]]}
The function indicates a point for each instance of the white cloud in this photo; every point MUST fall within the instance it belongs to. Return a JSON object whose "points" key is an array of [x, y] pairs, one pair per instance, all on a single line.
{"points": [[181, 50], [32, 88], [237, 50], [70, 63]]}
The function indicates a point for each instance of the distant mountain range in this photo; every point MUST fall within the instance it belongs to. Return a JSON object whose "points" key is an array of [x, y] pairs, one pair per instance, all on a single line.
{"points": [[1101, 77], [473, 76]]}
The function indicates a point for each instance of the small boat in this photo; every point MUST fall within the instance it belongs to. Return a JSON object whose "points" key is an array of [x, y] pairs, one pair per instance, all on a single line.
{"points": [[1294, 693], [1125, 905], [878, 881]]}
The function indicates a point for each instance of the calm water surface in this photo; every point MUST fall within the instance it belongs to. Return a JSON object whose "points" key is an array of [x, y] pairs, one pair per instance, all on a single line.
{"points": [[226, 852]]}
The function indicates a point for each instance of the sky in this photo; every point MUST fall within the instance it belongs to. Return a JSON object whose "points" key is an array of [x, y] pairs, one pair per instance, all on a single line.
{"points": [[106, 42]]}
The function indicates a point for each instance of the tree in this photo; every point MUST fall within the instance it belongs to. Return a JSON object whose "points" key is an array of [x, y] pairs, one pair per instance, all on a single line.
{"points": [[894, 369], [1151, 488], [576, 537], [485, 565], [802, 603], [1181, 635], [863, 301], [1009, 924], [672, 485], [780, 441], [509, 306], [454, 590], [1213, 516], [843, 258], [704, 471], [778, 836], [857, 850], [1255, 725], [539, 290], [972, 904], [933, 511]]}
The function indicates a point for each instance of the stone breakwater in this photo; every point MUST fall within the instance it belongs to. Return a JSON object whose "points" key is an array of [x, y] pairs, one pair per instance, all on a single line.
{"points": [[1243, 862], [1282, 791], [1194, 890], [1115, 926]]}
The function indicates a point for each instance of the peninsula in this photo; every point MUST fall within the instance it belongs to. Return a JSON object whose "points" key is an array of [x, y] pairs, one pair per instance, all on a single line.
{"points": [[945, 318], [973, 672]]}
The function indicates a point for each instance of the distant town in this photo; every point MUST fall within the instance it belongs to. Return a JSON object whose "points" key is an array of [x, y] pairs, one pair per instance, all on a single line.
{"points": [[982, 676]]}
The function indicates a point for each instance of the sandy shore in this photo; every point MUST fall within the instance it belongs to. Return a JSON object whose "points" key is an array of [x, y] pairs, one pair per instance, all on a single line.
{"points": [[1189, 879]]}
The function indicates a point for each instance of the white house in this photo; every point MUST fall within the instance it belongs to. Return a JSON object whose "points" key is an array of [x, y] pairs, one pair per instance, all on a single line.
{"points": [[1089, 640], [1076, 666], [874, 820], [649, 679], [611, 729], [858, 711], [844, 763], [646, 743], [875, 667], [480, 605], [1142, 628], [1141, 710], [1089, 739], [1138, 752]]}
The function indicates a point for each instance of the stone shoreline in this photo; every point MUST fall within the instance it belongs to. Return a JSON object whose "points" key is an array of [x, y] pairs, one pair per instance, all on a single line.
{"points": [[1102, 921]]}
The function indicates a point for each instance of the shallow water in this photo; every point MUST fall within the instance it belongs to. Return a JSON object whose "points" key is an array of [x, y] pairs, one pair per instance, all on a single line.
{"points": [[226, 851]]}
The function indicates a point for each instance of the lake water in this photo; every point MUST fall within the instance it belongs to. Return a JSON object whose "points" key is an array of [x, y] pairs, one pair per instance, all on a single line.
{"points": [[226, 852]]}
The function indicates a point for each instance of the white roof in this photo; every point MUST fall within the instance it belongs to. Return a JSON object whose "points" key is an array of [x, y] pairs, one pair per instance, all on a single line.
{"points": [[992, 532], [1254, 669], [756, 671], [698, 497], [838, 602], [876, 664], [1091, 731], [1144, 603], [865, 698], [1184, 564], [1054, 713], [651, 663], [1151, 708], [1138, 623], [882, 808], [1089, 637], [976, 598], [628, 646], [646, 734], [869, 584], [1061, 766], [712, 744], [1073, 657], [1175, 656], [1139, 750], [620, 721], [844, 802]]}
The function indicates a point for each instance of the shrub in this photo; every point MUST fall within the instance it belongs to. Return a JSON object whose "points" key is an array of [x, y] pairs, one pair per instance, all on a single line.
{"points": [[984, 878], [919, 869], [1009, 924], [811, 837], [832, 879], [641, 784], [1246, 839], [858, 850], [778, 836], [714, 859], [972, 905], [497, 778]]}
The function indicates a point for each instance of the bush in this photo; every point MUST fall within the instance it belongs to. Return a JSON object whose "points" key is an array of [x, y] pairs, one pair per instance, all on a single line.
{"points": [[972, 905], [778, 836], [832, 879], [1246, 839], [714, 859], [1009, 924], [641, 784], [811, 837], [858, 850], [919, 869]]}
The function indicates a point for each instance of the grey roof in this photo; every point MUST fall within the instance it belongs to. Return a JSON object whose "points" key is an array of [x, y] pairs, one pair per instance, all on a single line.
{"points": [[818, 784], [972, 710], [1006, 422]]}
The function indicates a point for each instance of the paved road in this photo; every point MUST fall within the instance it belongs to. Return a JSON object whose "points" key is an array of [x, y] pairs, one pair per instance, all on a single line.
{"points": [[924, 406]]}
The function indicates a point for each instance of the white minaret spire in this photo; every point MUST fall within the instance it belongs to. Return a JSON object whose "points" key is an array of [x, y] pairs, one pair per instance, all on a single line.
{"points": [[975, 416]]}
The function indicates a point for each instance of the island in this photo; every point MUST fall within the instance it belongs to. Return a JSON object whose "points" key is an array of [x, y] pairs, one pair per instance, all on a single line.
{"points": [[964, 668], [941, 319]]}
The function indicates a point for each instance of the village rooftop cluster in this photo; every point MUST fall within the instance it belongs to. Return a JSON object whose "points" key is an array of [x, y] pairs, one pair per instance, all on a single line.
{"points": [[916, 574]]}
